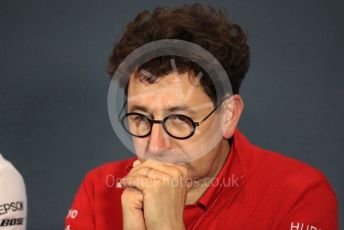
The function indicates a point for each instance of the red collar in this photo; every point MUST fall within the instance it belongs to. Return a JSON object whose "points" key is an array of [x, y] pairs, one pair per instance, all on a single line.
{"points": [[232, 175]]}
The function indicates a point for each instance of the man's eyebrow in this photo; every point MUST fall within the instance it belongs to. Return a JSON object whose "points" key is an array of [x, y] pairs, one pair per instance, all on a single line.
{"points": [[182, 108], [139, 107]]}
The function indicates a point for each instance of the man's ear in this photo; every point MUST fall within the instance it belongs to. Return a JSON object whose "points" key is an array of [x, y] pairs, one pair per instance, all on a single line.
{"points": [[231, 110]]}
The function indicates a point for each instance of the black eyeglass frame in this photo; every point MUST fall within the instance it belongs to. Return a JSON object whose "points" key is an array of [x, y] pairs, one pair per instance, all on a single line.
{"points": [[163, 122]]}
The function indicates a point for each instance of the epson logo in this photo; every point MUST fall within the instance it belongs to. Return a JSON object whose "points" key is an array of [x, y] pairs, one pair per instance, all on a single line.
{"points": [[11, 222], [11, 206]]}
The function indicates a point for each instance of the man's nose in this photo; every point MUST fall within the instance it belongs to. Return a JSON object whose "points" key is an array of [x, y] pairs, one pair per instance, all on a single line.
{"points": [[159, 140]]}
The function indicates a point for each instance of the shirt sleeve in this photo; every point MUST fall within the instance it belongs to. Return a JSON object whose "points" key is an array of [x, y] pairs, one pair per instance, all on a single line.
{"points": [[13, 200], [81, 214], [316, 209]]}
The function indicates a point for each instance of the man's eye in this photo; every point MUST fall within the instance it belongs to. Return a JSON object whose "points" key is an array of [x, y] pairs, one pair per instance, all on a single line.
{"points": [[139, 118], [179, 119]]}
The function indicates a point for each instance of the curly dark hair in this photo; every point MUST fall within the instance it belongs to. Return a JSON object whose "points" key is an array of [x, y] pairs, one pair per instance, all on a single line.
{"points": [[196, 23]]}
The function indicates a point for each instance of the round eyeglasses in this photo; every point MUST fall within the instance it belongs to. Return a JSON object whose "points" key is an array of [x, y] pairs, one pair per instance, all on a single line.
{"points": [[178, 126]]}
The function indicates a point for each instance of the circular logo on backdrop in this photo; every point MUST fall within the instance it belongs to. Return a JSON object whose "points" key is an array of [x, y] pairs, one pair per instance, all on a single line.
{"points": [[117, 99]]}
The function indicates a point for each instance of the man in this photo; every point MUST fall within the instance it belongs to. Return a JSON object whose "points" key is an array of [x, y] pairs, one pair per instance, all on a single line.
{"points": [[13, 203], [182, 178]]}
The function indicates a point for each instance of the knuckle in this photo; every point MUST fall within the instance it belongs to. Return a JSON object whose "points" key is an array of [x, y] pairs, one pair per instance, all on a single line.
{"points": [[125, 195], [130, 195], [149, 162], [177, 173], [138, 171], [142, 170], [184, 171]]}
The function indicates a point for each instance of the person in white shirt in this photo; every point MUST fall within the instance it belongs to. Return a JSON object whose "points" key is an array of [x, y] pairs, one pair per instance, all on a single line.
{"points": [[13, 201]]}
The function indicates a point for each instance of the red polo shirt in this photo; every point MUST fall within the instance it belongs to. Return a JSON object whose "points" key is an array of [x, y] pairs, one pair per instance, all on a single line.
{"points": [[255, 189]]}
